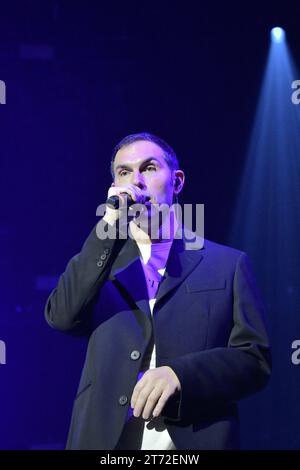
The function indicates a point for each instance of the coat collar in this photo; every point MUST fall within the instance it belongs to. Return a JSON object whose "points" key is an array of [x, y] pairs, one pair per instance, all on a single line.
{"points": [[180, 264], [128, 273]]}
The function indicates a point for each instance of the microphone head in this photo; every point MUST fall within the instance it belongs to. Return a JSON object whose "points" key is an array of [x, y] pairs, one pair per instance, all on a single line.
{"points": [[114, 201]]}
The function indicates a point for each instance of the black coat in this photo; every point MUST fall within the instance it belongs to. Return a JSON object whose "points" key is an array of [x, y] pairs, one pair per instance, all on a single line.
{"points": [[207, 326]]}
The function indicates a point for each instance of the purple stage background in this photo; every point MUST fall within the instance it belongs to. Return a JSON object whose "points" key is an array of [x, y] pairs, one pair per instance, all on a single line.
{"points": [[79, 76]]}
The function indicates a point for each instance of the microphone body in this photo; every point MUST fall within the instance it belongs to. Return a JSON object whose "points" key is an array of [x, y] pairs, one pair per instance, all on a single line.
{"points": [[114, 201]]}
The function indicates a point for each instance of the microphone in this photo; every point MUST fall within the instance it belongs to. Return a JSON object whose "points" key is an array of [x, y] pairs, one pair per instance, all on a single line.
{"points": [[114, 201]]}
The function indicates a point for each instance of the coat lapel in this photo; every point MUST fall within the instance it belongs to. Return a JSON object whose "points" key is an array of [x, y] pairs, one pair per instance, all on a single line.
{"points": [[180, 264], [127, 273]]}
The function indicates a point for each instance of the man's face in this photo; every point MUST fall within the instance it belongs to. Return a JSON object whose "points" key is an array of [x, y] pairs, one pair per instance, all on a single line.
{"points": [[142, 163]]}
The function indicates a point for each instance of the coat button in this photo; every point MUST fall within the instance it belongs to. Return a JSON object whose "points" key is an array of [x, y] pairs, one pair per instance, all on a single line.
{"points": [[106, 251], [100, 264], [123, 400], [103, 257], [135, 355]]}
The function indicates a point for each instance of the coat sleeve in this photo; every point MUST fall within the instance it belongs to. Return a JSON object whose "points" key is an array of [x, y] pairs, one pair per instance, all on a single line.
{"points": [[66, 308], [225, 375]]}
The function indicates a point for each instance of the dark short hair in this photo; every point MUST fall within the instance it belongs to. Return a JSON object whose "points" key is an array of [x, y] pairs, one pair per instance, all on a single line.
{"points": [[169, 154]]}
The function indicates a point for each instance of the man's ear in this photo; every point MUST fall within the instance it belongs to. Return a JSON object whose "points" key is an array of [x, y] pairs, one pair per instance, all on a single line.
{"points": [[112, 184], [178, 181]]}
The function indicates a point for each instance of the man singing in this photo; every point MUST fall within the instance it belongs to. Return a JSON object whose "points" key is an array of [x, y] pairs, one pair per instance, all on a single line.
{"points": [[176, 333]]}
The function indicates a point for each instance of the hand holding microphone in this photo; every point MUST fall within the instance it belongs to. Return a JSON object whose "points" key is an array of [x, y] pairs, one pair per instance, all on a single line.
{"points": [[122, 197]]}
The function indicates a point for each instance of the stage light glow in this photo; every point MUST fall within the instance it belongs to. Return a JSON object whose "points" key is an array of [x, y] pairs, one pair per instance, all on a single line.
{"points": [[266, 222], [272, 200], [277, 34]]}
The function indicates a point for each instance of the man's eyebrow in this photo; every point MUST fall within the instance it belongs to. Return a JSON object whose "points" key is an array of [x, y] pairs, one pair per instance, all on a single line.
{"points": [[127, 167]]}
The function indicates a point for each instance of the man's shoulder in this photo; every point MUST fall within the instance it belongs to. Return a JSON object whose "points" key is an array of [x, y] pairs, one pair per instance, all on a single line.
{"points": [[194, 242], [216, 253], [215, 260], [213, 247]]}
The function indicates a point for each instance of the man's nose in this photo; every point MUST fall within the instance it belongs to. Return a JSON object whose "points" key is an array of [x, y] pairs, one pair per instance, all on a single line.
{"points": [[138, 180]]}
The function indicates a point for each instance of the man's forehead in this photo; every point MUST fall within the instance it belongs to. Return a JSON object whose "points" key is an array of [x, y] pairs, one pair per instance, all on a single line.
{"points": [[138, 151]]}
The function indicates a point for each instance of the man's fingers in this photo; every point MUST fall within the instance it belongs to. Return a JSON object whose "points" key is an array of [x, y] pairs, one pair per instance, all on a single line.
{"points": [[142, 399], [151, 402], [161, 403], [134, 191], [153, 390], [138, 387]]}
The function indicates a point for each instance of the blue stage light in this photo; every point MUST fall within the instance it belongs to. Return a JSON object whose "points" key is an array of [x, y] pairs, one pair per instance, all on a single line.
{"points": [[277, 34]]}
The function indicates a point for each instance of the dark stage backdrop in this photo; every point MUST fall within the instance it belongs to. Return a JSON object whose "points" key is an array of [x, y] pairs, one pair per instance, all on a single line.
{"points": [[79, 76]]}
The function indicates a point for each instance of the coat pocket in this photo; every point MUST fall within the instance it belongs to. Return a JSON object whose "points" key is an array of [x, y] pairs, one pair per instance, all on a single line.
{"points": [[196, 286]]}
